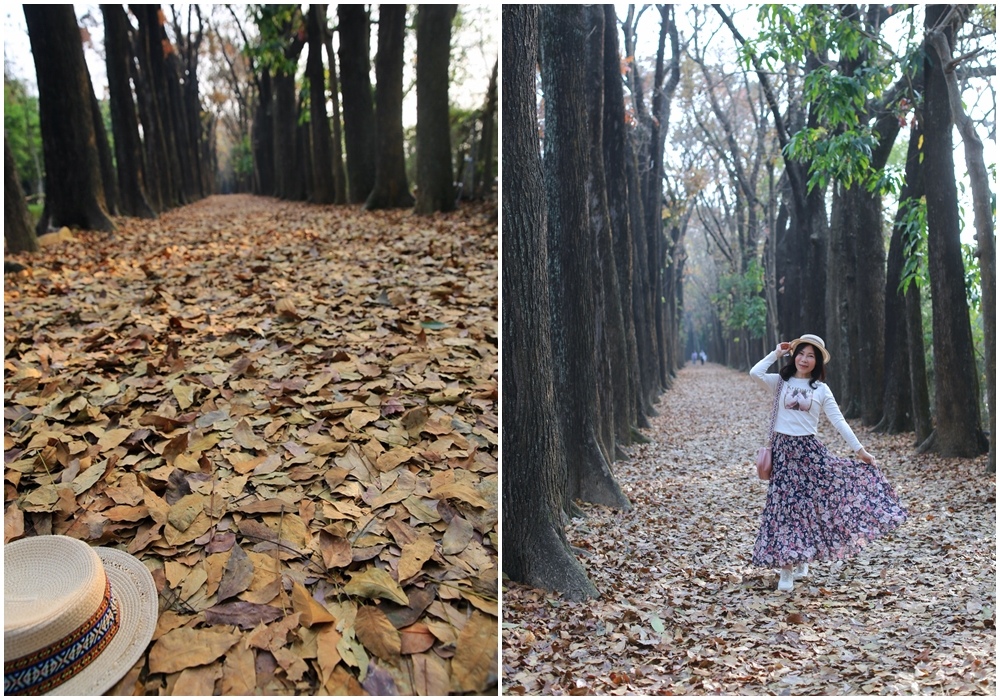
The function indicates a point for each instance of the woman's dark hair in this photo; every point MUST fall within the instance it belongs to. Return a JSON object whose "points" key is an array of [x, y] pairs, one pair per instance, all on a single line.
{"points": [[819, 371]]}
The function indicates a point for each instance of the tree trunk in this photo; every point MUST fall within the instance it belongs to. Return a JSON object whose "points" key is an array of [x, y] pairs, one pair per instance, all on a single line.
{"points": [[536, 551], [109, 178], [486, 168], [982, 207], [128, 146], [958, 432], [616, 176], [339, 176], [263, 137], [359, 112], [435, 188], [572, 254], [157, 117], [74, 194], [391, 190], [17, 230], [610, 328], [323, 191]]}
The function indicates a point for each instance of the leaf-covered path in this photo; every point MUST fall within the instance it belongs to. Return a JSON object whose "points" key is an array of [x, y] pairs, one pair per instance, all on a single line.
{"points": [[288, 412], [683, 611]]}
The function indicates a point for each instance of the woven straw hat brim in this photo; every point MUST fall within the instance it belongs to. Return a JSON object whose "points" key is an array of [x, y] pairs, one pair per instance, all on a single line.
{"points": [[798, 341], [135, 592]]}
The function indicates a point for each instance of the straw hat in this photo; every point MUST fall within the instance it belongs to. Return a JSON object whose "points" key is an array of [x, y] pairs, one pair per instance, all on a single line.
{"points": [[76, 618], [814, 340]]}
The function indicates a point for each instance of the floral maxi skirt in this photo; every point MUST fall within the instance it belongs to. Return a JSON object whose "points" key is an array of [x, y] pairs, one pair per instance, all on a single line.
{"points": [[821, 507]]}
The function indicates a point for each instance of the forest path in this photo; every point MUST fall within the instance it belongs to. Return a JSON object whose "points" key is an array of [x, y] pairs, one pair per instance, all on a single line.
{"points": [[682, 610], [288, 412]]}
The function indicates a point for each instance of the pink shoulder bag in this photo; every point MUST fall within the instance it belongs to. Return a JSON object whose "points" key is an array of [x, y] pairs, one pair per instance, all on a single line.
{"points": [[764, 453]]}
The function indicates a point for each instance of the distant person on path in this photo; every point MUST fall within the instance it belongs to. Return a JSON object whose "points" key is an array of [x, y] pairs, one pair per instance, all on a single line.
{"points": [[694, 357], [703, 357], [820, 507]]}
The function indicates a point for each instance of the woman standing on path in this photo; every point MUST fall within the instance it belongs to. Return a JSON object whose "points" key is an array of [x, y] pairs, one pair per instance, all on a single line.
{"points": [[820, 507]]}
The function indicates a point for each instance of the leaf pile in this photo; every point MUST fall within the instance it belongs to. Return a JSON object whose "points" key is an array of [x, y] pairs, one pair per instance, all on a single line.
{"points": [[683, 611], [289, 413]]}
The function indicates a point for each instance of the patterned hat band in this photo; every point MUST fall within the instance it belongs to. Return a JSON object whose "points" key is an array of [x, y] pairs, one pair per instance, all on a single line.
{"points": [[39, 672]]}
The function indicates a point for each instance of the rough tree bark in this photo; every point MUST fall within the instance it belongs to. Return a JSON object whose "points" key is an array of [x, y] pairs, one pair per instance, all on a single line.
{"points": [[359, 111], [323, 191], [435, 188], [339, 176], [958, 432], [391, 189], [536, 551], [73, 187], [982, 207], [572, 253], [124, 125]]}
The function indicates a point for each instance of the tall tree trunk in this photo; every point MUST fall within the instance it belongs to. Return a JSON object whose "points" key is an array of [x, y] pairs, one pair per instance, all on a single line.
{"points": [[391, 189], [74, 193], [982, 207], [572, 254], [323, 191], [125, 126], [536, 551], [486, 168], [606, 333], [616, 176], [958, 432], [17, 230], [435, 188], [109, 178], [158, 122], [263, 137], [359, 111], [339, 176]]}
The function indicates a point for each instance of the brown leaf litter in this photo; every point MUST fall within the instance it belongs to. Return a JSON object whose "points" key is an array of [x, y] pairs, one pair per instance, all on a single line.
{"points": [[288, 412]]}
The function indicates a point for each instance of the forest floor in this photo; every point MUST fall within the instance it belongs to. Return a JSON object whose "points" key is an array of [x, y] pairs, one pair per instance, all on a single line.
{"points": [[289, 414], [683, 612]]}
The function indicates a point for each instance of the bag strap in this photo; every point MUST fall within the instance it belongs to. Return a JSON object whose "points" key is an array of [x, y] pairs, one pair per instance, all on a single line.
{"points": [[774, 412]]}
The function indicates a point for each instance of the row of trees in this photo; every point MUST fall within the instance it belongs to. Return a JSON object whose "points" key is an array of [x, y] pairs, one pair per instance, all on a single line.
{"points": [[784, 167], [161, 151], [805, 247], [590, 277]]}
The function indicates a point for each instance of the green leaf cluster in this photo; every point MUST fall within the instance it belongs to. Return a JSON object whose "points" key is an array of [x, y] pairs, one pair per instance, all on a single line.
{"points": [[839, 145], [913, 224], [23, 132], [739, 301]]}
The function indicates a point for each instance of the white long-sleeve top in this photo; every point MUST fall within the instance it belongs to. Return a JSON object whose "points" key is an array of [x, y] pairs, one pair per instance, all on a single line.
{"points": [[800, 404]]}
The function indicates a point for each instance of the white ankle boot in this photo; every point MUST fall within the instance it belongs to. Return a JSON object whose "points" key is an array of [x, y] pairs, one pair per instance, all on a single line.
{"points": [[787, 580], [801, 570]]}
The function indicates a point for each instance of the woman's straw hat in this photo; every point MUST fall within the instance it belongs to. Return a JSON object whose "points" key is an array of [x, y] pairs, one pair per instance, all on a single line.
{"points": [[75, 618], [814, 340]]}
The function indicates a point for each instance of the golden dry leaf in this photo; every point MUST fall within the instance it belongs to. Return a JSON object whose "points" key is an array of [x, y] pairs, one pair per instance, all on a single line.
{"points": [[113, 438], [327, 655], [295, 667], [376, 632], [475, 659], [198, 681], [462, 492], [13, 523], [414, 555], [415, 639], [375, 583], [430, 675], [239, 672], [393, 458], [185, 647], [312, 613], [342, 682], [336, 550]]}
